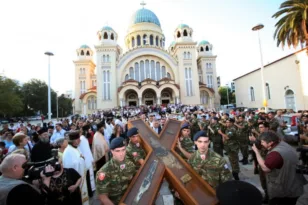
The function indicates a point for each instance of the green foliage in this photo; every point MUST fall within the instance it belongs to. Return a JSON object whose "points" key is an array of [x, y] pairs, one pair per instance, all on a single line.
{"points": [[291, 28], [10, 100], [223, 95]]}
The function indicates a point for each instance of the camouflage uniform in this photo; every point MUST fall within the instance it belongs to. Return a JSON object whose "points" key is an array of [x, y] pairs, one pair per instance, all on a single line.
{"points": [[243, 138], [213, 169], [216, 138], [204, 125], [194, 128], [232, 148], [135, 153], [113, 179], [273, 124], [187, 144]]}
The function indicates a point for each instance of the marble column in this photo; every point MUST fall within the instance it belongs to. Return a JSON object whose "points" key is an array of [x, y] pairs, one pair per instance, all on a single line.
{"points": [[158, 100], [121, 102], [140, 101], [177, 101]]}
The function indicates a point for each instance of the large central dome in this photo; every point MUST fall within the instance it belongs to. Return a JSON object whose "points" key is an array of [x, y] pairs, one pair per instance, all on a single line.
{"points": [[144, 16]]}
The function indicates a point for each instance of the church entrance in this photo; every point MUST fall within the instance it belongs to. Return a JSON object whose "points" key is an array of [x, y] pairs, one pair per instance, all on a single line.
{"points": [[132, 103], [166, 96], [131, 98], [149, 97]]}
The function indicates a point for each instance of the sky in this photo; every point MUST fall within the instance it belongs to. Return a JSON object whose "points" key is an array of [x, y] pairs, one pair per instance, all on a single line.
{"points": [[30, 28]]}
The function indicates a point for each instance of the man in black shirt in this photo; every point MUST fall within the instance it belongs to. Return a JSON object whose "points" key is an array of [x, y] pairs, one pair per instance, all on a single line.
{"points": [[41, 150]]}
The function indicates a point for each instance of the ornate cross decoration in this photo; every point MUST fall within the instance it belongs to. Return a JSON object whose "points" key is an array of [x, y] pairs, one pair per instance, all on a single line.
{"points": [[191, 187]]}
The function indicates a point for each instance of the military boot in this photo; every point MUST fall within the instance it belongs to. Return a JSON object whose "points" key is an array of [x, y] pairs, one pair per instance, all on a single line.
{"points": [[235, 176]]}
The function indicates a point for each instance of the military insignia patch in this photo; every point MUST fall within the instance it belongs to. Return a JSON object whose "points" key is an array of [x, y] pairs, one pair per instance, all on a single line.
{"points": [[122, 166], [101, 176], [135, 154], [202, 156], [138, 144]]}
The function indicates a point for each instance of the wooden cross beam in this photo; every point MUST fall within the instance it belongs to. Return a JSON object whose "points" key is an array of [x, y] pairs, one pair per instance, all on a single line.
{"points": [[191, 187]]}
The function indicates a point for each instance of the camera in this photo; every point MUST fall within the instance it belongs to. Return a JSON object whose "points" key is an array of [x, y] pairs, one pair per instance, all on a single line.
{"points": [[33, 169]]}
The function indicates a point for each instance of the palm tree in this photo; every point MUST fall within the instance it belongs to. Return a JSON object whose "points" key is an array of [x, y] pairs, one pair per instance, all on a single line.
{"points": [[292, 26]]}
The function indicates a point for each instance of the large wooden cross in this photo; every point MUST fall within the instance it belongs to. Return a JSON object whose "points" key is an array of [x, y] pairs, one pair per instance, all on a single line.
{"points": [[191, 187]]}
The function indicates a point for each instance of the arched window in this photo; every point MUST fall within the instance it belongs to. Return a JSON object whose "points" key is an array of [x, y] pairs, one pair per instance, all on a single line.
{"points": [[84, 71], [185, 33], [145, 39], [210, 65], [268, 92], [142, 74], [156, 40], [137, 72], [82, 52], [152, 70], [105, 35], [89, 104], [147, 69], [209, 79], [80, 70], [161, 43], [131, 73], [106, 85], [185, 55], [252, 94], [188, 55], [107, 58], [163, 72], [138, 40], [112, 36], [151, 40], [158, 73], [206, 48], [126, 77], [201, 49], [178, 34], [168, 75], [88, 53], [133, 42], [188, 81], [171, 48]]}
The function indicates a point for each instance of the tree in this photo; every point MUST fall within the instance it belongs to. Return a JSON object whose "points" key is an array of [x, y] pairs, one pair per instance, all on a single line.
{"points": [[10, 100], [292, 27], [65, 106], [223, 95]]}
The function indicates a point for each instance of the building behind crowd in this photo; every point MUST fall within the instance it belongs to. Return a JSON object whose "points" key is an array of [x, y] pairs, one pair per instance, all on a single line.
{"points": [[146, 73], [285, 80]]}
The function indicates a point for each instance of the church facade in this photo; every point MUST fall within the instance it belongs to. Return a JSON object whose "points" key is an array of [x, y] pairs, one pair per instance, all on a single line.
{"points": [[146, 73]]}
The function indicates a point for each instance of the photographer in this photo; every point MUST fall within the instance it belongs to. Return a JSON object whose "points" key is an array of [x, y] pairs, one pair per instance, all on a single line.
{"points": [[283, 183], [14, 191]]}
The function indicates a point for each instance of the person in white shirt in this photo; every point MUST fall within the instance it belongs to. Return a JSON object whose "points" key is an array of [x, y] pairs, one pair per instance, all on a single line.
{"points": [[58, 133], [100, 147]]}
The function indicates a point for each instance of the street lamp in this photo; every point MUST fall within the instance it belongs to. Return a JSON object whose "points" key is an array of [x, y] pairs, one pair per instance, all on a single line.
{"points": [[227, 93], [258, 28], [49, 98], [57, 106]]}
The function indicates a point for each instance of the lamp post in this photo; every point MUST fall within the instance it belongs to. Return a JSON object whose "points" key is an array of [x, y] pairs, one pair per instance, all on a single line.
{"points": [[49, 98], [258, 28], [57, 106], [227, 93]]}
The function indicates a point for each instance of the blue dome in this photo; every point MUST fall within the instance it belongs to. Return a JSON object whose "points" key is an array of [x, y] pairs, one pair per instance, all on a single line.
{"points": [[107, 28], [183, 26], [84, 46], [144, 16], [203, 43]]}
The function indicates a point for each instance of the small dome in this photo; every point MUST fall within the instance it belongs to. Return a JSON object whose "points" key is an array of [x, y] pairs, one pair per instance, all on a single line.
{"points": [[203, 43], [107, 28], [144, 16], [84, 46], [181, 26]]}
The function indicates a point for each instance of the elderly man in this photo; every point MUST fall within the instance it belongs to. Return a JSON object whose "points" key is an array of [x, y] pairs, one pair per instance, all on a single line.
{"points": [[41, 150], [100, 146], [14, 191], [283, 183], [58, 133]]}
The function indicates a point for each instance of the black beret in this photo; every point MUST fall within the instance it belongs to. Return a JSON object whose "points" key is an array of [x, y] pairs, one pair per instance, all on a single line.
{"points": [[261, 118], [239, 193], [74, 135], [185, 126], [200, 134], [231, 120], [132, 131], [215, 118], [42, 130], [86, 127], [117, 143]]}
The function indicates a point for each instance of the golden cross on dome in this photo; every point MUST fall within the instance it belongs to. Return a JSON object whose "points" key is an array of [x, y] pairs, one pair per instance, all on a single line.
{"points": [[143, 4]]}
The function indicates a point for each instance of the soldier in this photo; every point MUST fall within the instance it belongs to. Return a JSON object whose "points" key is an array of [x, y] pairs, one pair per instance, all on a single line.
{"points": [[211, 166], [194, 125], [242, 134], [231, 146], [185, 146], [204, 123], [273, 122], [134, 150], [114, 177], [215, 137]]}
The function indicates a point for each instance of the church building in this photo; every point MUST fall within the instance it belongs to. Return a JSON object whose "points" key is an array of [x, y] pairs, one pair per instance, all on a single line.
{"points": [[145, 73]]}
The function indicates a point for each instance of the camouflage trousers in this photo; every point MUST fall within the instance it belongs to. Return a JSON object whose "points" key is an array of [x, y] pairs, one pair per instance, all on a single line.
{"points": [[243, 143], [218, 148], [233, 157]]}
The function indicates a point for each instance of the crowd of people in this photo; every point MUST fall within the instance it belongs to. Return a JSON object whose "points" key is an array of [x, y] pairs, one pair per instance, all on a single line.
{"points": [[66, 161]]}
